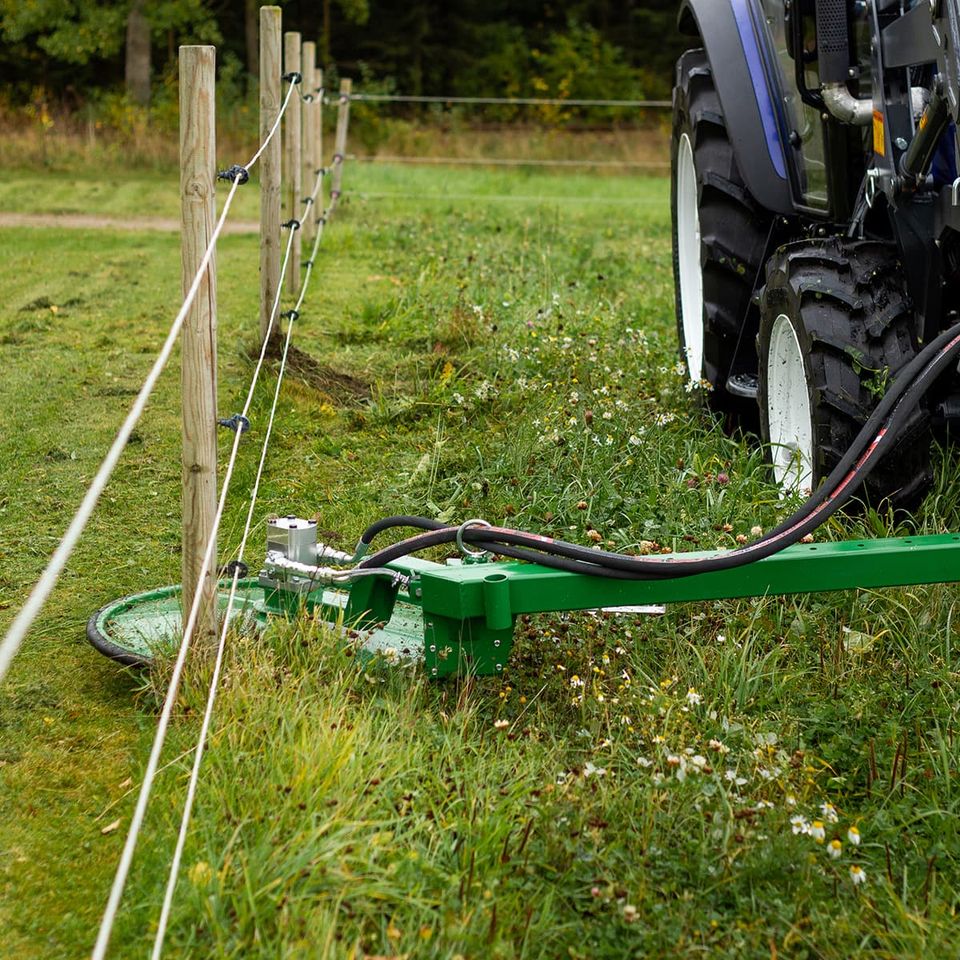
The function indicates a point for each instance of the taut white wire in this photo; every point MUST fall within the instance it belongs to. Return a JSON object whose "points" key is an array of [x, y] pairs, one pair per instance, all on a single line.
{"points": [[507, 101], [215, 679], [48, 580], [123, 868], [514, 162], [44, 587], [212, 695], [273, 129]]}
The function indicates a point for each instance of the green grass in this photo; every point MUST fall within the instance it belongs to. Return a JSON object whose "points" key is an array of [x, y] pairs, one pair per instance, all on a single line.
{"points": [[343, 815]]}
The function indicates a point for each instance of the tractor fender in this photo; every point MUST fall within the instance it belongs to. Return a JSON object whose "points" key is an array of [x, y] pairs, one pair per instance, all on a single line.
{"points": [[737, 48]]}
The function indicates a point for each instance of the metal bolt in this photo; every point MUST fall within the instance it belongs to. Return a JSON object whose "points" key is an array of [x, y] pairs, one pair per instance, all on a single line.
{"points": [[499, 667], [852, 72], [496, 643], [433, 648], [901, 143]]}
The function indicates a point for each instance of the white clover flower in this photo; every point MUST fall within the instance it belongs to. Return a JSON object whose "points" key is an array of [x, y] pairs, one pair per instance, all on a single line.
{"points": [[698, 761], [853, 835], [719, 746], [501, 724], [731, 775], [834, 848], [829, 812], [590, 770], [693, 697], [630, 913], [644, 762], [857, 875], [790, 800], [799, 824], [817, 831], [679, 763]]}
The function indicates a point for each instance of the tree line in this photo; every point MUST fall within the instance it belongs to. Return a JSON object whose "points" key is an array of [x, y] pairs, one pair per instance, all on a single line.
{"points": [[71, 49]]}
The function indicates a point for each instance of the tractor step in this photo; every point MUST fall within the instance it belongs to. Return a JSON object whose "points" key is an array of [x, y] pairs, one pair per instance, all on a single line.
{"points": [[742, 385]]}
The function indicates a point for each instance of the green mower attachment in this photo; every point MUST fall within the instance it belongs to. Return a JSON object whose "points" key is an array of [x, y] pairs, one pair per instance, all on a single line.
{"points": [[458, 617]]}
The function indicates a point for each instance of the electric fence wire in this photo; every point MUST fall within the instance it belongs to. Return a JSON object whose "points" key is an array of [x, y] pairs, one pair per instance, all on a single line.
{"points": [[505, 198], [515, 162], [136, 822], [507, 101], [48, 580], [293, 315], [215, 679]]}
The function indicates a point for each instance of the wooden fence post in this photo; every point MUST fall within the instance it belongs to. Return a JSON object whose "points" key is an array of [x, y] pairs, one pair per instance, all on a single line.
{"points": [[310, 115], [292, 64], [270, 74], [199, 337], [340, 145], [319, 145]]}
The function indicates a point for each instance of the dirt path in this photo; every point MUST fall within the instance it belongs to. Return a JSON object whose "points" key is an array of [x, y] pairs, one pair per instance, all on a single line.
{"points": [[88, 221]]}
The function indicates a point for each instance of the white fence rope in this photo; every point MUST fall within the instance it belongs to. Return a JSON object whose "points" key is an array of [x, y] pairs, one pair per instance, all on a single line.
{"points": [[212, 694], [44, 587], [514, 162], [508, 101], [123, 868]]}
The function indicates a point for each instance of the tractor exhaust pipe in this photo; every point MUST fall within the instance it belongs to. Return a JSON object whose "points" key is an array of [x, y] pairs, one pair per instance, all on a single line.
{"points": [[833, 56], [843, 105]]}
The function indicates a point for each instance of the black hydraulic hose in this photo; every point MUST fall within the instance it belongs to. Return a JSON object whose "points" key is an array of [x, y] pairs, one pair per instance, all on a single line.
{"points": [[878, 434], [905, 377], [420, 523], [904, 380]]}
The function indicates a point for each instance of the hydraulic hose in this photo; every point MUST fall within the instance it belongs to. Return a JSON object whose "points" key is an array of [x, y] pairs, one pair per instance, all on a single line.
{"points": [[877, 436]]}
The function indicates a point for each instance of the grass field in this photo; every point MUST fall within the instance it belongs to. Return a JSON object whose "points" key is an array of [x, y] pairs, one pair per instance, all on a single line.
{"points": [[645, 795]]}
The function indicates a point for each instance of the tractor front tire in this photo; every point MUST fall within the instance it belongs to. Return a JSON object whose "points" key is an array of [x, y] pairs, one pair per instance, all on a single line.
{"points": [[719, 240], [836, 325]]}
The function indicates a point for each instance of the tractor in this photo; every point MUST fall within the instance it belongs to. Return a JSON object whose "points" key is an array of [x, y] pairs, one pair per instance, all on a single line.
{"points": [[816, 222]]}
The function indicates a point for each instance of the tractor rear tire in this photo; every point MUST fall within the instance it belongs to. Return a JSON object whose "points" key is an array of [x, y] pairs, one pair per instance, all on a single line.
{"points": [[719, 240], [835, 325]]}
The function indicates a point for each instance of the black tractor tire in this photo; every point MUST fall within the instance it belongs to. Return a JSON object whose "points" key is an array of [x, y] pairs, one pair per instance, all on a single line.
{"points": [[855, 329], [733, 232]]}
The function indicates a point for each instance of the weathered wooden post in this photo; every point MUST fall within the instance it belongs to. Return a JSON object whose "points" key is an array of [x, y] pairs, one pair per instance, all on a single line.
{"points": [[319, 147], [311, 113], [199, 337], [340, 144], [270, 81], [292, 128]]}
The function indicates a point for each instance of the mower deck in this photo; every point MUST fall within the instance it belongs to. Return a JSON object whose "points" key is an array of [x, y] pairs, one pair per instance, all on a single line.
{"points": [[459, 618]]}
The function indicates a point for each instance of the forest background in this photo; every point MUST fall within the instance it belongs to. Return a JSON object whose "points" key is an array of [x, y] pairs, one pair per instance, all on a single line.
{"points": [[101, 68]]}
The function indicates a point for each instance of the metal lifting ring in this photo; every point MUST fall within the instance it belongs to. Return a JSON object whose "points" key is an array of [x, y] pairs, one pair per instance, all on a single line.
{"points": [[462, 547], [870, 190]]}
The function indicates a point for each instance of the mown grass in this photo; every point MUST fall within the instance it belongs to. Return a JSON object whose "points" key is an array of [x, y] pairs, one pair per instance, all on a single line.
{"points": [[626, 788]]}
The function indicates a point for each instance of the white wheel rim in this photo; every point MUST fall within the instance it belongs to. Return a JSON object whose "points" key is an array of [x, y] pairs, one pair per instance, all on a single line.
{"points": [[788, 409], [688, 259]]}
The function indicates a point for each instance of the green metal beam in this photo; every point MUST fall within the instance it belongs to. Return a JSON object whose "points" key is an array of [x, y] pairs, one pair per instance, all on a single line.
{"points": [[493, 591]]}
